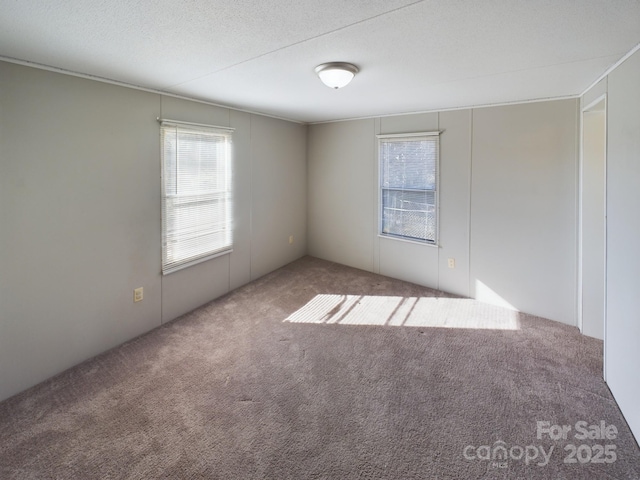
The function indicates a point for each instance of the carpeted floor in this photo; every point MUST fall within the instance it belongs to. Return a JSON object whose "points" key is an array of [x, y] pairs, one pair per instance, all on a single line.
{"points": [[320, 371]]}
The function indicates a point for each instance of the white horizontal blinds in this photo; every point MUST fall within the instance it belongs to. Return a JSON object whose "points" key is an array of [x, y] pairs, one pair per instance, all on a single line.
{"points": [[196, 197], [408, 187]]}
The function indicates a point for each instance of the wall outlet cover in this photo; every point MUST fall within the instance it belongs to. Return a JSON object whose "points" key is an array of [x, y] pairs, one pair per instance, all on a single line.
{"points": [[138, 294]]}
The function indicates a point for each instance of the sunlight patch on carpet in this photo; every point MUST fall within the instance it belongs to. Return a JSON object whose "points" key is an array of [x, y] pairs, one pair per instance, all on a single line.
{"points": [[405, 312]]}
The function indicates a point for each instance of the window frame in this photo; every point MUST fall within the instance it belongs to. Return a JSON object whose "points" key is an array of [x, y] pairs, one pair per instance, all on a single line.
{"points": [[228, 193], [413, 136]]}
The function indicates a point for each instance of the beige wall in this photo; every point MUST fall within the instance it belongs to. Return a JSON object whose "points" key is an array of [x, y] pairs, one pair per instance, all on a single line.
{"points": [[341, 158], [622, 334], [279, 193], [523, 207], [620, 198], [507, 204], [80, 216]]}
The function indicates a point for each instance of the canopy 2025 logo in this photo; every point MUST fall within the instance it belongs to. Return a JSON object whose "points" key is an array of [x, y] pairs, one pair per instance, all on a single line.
{"points": [[499, 454]]}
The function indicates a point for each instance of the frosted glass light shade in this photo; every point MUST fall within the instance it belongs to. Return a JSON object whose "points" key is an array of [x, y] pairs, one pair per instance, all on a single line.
{"points": [[336, 74]]}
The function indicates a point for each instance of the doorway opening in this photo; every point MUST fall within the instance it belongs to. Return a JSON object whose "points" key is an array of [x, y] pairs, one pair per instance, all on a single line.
{"points": [[592, 233]]}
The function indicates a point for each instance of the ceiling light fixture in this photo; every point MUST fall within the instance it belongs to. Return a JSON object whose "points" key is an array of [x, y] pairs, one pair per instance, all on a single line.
{"points": [[336, 74]]}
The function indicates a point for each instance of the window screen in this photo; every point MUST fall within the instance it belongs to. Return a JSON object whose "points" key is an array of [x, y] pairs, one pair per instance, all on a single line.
{"points": [[408, 181], [196, 194]]}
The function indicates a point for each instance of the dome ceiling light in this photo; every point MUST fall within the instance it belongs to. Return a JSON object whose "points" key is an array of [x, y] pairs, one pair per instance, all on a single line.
{"points": [[336, 74]]}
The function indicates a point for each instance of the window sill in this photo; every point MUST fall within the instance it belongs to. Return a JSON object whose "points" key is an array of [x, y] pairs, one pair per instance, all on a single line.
{"points": [[196, 261], [407, 240]]}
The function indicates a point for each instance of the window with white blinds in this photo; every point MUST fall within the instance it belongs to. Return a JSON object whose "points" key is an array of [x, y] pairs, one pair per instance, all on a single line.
{"points": [[196, 194], [408, 186]]}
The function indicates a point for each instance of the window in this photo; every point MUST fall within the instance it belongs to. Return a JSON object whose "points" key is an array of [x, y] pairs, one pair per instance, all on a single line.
{"points": [[196, 194], [408, 186]]}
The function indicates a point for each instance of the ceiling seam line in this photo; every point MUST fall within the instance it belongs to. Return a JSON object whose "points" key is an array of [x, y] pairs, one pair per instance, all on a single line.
{"points": [[505, 72], [300, 42]]}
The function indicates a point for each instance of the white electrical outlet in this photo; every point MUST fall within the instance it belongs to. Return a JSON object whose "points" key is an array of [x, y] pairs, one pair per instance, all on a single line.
{"points": [[290, 239], [452, 262], [138, 294]]}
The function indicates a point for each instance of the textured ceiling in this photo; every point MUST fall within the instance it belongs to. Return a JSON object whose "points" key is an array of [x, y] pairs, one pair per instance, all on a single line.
{"points": [[259, 55]]}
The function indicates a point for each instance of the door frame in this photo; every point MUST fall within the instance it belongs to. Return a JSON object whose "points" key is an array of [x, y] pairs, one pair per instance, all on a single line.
{"points": [[583, 111]]}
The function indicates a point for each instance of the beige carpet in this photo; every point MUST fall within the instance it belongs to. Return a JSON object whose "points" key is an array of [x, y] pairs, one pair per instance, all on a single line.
{"points": [[319, 371]]}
